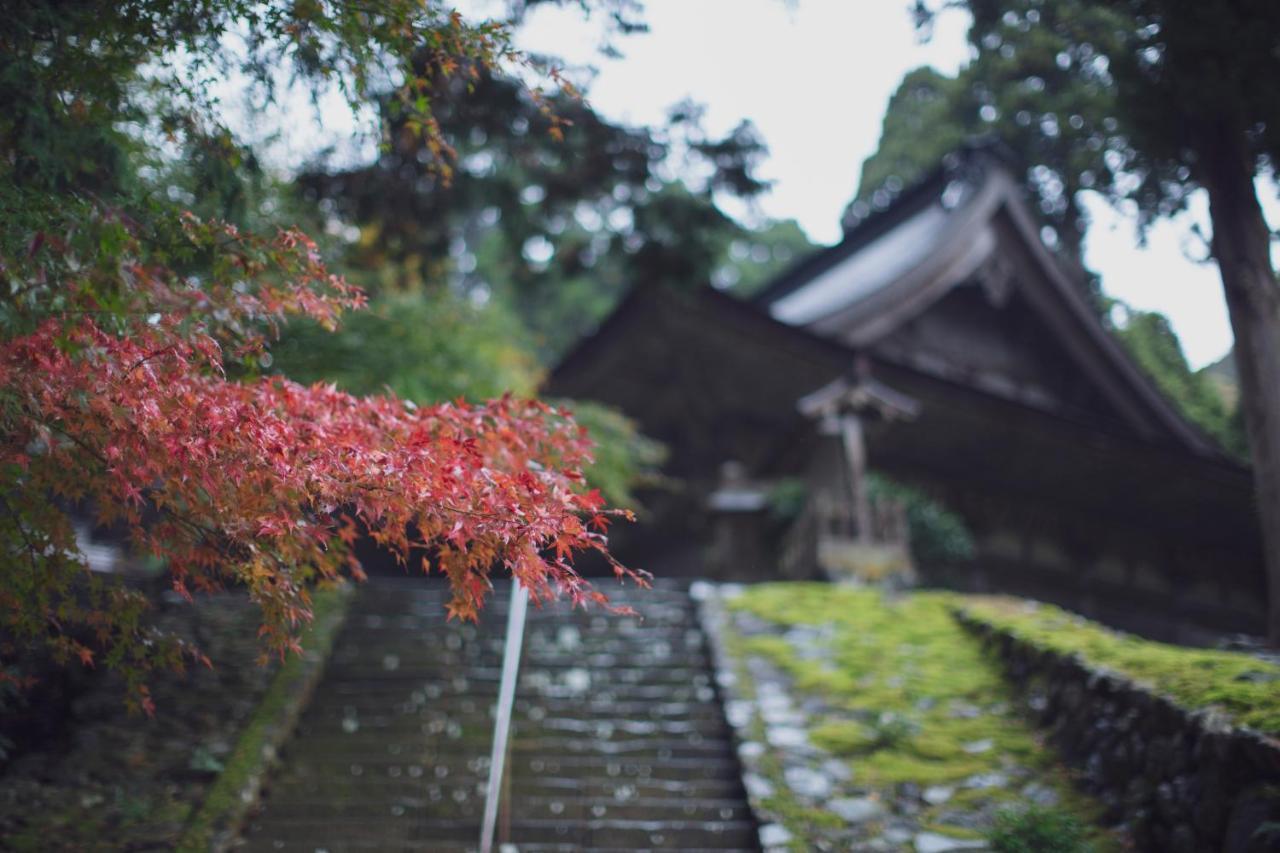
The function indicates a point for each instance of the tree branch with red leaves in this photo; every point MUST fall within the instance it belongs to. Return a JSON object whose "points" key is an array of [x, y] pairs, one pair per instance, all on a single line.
{"points": [[131, 389]]}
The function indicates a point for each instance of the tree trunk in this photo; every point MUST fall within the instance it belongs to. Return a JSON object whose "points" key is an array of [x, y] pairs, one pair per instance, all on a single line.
{"points": [[1241, 246]]}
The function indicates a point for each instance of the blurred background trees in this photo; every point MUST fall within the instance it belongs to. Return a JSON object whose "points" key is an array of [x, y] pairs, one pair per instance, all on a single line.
{"points": [[1041, 88], [1147, 102]]}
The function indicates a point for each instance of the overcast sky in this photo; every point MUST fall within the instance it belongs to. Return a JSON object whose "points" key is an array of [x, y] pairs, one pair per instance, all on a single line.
{"points": [[815, 77]]}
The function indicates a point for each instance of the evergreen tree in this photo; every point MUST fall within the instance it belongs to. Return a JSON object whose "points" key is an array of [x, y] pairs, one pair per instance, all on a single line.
{"points": [[552, 209], [1150, 101]]}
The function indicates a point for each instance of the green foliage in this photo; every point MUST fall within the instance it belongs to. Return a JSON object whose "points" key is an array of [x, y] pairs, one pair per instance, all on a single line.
{"points": [[558, 225], [111, 135], [787, 498], [1241, 685], [426, 347], [1154, 346], [625, 459], [756, 257], [433, 346], [75, 77], [927, 118], [1037, 88], [937, 533], [1035, 829], [204, 761]]}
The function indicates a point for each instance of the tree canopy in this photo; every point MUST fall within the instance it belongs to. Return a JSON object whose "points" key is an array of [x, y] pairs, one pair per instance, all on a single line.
{"points": [[1148, 102], [554, 220], [134, 336]]}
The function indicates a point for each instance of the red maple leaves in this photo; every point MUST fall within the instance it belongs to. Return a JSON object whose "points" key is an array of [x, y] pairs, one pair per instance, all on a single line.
{"points": [[120, 400]]}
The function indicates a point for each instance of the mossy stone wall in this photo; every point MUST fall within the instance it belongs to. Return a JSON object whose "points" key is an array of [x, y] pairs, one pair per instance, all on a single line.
{"points": [[1183, 780]]}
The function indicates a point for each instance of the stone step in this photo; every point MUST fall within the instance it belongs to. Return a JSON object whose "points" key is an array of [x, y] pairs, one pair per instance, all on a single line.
{"points": [[661, 749], [638, 693], [401, 657], [356, 677], [530, 708], [389, 606], [619, 740], [461, 715], [644, 644], [408, 728], [524, 768], [427, 620], [533, 806], [376, 794], [361, 845], [637, 834]]}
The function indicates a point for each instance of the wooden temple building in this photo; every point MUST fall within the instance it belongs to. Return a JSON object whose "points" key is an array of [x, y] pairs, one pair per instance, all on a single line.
{"points": [[941, 344]]}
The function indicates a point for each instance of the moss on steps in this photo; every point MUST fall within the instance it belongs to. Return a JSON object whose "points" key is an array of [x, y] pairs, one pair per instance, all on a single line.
{"points": [[911, 698], [226, 805]]}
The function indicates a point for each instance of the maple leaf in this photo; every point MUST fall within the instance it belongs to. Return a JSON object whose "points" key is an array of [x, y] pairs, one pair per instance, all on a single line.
{"points": [[244, 481]]}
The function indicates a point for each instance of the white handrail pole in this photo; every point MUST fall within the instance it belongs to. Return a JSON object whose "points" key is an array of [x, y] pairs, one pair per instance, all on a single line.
{"points": [[502, 723]]}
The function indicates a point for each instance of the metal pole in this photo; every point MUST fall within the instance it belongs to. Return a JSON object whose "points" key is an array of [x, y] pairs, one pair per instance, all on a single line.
{"points": [[502, 724]]}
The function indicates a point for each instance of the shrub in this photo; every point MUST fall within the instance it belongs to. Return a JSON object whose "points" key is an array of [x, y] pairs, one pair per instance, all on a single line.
{"points": [[1035, 829], [936, 532]]}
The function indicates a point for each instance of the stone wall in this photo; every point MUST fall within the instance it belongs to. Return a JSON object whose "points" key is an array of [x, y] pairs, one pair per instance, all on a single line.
{"points": [[1182, 780]]}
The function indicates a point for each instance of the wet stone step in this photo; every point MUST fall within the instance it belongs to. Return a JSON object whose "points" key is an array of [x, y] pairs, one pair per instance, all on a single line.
{"points": [[394, 705], [542, 626], [524, 769], [458, 847], [602, 653], [351, 731], [372, 749], [639, 693], [409, 724], [633, 834], [381, 598], [485, 678], [533, 806], [561, 738], [489, 645], [369, 749], [619, 743], [378, 795]]}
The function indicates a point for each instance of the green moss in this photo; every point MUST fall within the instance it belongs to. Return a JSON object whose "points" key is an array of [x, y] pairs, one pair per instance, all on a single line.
{"points": [[797, 817], [1242, 686], [844, 737], [894, 766], [960, 833], [264, 730], [915, 698]]}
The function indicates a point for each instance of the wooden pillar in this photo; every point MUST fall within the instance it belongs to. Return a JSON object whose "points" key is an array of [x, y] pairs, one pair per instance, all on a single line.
{"points": [[855, 451]]}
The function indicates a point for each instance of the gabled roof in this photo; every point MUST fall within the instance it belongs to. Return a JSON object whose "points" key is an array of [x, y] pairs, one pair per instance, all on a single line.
{"points": [[966, 221]]}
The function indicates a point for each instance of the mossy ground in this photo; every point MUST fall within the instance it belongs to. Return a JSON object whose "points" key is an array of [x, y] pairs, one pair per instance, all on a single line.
{"points": [[1244, 687], [909, 697]]}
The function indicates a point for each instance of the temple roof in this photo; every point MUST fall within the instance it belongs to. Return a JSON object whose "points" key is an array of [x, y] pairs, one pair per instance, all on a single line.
{"points": [[968, 222]]}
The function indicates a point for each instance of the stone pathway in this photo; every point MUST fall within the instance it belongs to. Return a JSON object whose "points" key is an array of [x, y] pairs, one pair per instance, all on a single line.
{"points": [[620, 742]]}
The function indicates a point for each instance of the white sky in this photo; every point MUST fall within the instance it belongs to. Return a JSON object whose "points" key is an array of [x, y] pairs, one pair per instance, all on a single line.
{"points": [[815, 77]]}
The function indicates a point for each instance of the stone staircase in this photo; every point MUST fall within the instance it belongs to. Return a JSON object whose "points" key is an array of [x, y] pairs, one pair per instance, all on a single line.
{"points": [[619, 743]]}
